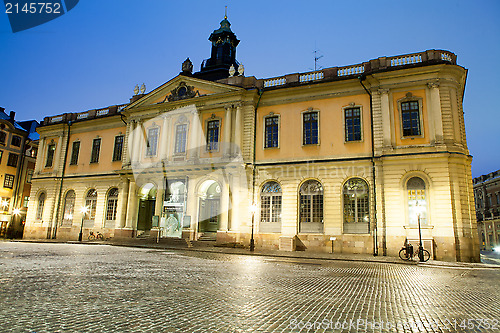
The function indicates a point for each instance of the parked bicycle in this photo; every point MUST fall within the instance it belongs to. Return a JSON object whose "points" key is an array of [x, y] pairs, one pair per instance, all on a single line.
{"points": [[97, 235], [407, 252]]}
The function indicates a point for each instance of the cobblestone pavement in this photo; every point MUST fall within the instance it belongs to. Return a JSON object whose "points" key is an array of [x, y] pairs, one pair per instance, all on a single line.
{"points": [[100, 288]]}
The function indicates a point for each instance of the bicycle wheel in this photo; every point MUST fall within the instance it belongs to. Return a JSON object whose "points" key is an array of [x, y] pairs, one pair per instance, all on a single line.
{"points": [[403, 255], [427, 255], [100, 237], [91, 237]]}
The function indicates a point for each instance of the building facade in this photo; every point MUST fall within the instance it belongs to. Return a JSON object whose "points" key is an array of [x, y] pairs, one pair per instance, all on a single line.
{"points": [[487, 198], [18, 150], [359, 155]]}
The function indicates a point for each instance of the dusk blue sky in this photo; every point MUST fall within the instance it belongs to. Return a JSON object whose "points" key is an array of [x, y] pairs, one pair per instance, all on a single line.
{"points": [[94, 55]]}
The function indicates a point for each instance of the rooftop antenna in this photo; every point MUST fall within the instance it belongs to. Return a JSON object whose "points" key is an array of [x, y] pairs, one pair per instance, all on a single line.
{"points": [[316, 58], [225, 15]]}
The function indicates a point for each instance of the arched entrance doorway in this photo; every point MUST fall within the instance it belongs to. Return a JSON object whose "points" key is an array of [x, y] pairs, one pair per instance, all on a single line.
{"points": [[147, 199], [209, 213]]}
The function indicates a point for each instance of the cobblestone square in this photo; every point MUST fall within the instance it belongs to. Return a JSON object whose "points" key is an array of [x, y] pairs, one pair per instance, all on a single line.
{"points": [[100, 288]]}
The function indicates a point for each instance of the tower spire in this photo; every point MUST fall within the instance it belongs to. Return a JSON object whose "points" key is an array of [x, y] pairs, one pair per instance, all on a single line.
{"points": [[225, 14]]}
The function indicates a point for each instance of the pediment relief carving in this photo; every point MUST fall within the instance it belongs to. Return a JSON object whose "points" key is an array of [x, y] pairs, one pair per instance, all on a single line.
{"points": [[183, 91]]}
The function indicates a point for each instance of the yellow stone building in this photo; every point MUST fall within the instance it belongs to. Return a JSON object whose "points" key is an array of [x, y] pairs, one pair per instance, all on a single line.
{"points": [[355, 155]]}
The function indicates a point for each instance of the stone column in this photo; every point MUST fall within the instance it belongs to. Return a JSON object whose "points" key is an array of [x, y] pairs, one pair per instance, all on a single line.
{"points": [[386, 117], [138, 142], [129, 139], [434, 114], [123, 204], [159, 201], [238, 130], [227, 131], [164, 142], [194, 141], [41, 157], [224, 207], [131, 219]]}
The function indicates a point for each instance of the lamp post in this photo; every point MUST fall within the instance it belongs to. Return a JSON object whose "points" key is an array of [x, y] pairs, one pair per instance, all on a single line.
{"points": [[253, 208], [83, 210], [420, 247]]}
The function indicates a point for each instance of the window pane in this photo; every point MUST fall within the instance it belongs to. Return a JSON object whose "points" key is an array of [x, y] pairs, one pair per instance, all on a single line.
{"points": [[96, 147], [271, 132], [50, 155], [310, 121], [213, 135], [152, 142], [75, 152], [417, 201], [180, 138], [411, 118], [117, 151]]}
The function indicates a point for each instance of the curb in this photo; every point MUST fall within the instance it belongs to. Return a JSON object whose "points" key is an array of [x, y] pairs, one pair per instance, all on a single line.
{"points": [[436, 264]]}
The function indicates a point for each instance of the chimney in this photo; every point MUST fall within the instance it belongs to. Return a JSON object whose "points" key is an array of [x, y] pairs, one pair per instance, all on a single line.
{"points": [[2, 109], [12, 115]]}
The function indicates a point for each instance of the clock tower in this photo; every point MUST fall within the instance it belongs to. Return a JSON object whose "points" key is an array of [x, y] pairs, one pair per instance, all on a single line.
{"points": [[223, 54]]}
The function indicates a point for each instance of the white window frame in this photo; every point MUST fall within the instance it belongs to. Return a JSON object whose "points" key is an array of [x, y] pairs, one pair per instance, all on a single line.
{"points": [[352, 106], [302, 127], [411, 98], [271, 114]]}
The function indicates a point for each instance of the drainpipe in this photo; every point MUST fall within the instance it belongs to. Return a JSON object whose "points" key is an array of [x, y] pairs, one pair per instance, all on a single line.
{"points": [[375, 228], [252, 241], [54, 232]]}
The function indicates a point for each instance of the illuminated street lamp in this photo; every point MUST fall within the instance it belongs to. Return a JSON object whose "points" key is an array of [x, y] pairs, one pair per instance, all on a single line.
{"points": [[16, 211], [253, 209], [83, 210], [419, 210]]}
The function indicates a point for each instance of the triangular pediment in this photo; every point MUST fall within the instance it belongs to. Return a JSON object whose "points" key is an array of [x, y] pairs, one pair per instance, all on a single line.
{"points": [[182, 88]]}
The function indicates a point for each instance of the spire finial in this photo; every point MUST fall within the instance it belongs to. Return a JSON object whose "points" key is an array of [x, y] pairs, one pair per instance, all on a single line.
{"points": [[225, 15]]}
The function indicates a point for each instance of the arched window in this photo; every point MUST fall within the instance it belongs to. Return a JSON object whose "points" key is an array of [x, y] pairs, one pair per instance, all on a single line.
{"points": [[41, 204], [356, 207], [311, 207], [69, 208], [270, 207], [112, 204], [91, 204], [417, 202]]}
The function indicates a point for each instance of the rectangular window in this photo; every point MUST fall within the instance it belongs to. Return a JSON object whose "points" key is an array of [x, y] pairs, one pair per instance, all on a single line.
{"points": [[111, 209], [96, 147], [310, 121], [26, 202], [4, 203], [3, 137], [117, 150], [152, 142], [271, 133], [16, 141], [410, 114], [8, 181], [50, 155], [498, 198], [75, 153], [213, 135], [180, 138], [29, 176], [12, 161], [352, 124], [1, 153]]}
